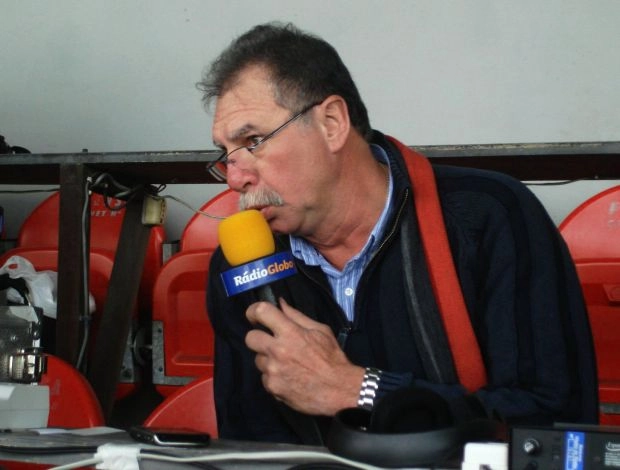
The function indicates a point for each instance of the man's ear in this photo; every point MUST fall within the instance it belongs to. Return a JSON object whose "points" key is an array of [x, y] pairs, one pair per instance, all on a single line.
{"points": [[335, 122]]}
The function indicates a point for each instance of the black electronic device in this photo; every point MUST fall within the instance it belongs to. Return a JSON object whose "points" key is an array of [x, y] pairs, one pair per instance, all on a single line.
{"points": [[565, 446], [173, 437], [409, 427]]}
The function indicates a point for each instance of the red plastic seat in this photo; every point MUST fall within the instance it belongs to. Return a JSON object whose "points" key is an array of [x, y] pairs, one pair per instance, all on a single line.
{"points": [[46, 259], [182, 335], [38, 242], [592, 232], [191, 406], [73, 403], [200, 233], [40, 230]]}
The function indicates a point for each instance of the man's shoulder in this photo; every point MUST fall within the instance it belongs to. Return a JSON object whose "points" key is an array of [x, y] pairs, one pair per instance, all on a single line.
{"points": [[461, 176], [487, 198], [476, 183]]}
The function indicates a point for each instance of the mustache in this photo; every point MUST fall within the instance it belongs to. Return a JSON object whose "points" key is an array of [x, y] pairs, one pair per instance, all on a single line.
{"points": [[259, 198]]}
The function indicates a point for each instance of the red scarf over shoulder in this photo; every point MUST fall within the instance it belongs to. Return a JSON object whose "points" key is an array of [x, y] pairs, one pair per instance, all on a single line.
{"points": [[446, 287]]}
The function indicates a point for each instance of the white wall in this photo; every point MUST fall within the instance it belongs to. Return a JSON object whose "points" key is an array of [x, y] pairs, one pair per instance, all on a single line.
{"points": [[119, 75]]}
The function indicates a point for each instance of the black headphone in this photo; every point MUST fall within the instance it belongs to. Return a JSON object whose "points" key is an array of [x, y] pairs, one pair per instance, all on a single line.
{"points": [[408, 427]]}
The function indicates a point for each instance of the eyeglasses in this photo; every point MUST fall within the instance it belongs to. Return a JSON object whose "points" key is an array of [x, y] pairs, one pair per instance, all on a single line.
{"points": [[218, 167]]}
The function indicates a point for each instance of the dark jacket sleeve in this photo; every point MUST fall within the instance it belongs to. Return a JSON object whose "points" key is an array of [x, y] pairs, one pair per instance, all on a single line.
{"points": [[524, 298]]}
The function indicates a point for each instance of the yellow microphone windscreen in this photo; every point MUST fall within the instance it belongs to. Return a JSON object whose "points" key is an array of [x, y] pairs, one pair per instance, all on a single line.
{"points": [[245, 236]]}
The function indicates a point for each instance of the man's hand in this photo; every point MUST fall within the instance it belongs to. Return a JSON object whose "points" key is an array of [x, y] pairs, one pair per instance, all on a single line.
{"points": [[302, 364]]}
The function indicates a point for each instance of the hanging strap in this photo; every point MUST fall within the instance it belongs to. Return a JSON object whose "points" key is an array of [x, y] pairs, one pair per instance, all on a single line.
{"points": [[461, 338]]}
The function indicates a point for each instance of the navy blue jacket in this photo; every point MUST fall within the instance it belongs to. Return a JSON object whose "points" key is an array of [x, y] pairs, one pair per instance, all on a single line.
{"points": [[519, 284]]}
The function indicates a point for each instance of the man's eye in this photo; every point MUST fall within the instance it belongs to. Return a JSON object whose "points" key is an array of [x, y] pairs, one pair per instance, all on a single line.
{"points": [[253, 141]]}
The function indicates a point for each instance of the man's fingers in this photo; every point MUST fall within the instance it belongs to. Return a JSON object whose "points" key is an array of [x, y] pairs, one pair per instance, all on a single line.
{"points": [[299, 318], [267, 315], [280, 320]]}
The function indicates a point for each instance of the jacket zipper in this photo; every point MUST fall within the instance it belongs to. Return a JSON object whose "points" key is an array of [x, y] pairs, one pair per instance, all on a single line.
{"points": [[348, 326], [388, 237]]}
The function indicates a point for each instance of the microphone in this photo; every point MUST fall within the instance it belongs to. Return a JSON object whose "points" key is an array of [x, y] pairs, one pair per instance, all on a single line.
{"points": [[248, 245]]}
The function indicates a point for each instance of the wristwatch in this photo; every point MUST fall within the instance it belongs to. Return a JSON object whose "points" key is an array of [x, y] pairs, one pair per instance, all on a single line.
{"points": [[368, 390]]}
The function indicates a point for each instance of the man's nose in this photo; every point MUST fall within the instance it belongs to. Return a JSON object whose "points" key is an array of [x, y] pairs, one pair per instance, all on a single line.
{"points": [[239, 173]]}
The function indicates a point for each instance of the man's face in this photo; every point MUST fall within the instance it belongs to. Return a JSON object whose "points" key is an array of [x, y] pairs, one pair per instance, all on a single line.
{"points": [[289, 165]]}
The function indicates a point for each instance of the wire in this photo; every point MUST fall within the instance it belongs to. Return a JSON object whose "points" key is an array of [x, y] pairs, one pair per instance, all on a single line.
{"points": [[106, 182], [320, 466], [264, 455], [197, 211], [318, 457], [553, 183], [86, 275], [26, 191], [110, 188], [79, 464], [203, 465], [100, 180]]}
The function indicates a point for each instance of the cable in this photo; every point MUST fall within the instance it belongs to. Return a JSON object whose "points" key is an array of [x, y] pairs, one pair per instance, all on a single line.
{"points": [[86, 318], [203, 465], [86, 274], [26, 191], [193, 209], [553, 183], [320, 466], [322, 460], [110, 188], [106, 184], [264, 455], [79, 464]]}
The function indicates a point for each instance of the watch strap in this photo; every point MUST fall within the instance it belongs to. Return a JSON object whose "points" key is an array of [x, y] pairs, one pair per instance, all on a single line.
{"points": [[369, 388]]}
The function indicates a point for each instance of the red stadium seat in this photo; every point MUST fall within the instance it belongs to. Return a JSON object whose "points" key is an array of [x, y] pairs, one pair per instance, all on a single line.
{"points": [[73, 403], [200, 233], [182, 335], [40, 230], [592, 232], [38, 242], [191, 406]]}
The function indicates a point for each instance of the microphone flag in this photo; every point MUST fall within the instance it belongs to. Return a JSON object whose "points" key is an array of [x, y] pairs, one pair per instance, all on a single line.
{"points": [[248, 245], [258, 273]]}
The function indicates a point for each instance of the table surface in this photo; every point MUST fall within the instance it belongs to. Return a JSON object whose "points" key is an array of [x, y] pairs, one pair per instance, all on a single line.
{"points": [[28, 450]]}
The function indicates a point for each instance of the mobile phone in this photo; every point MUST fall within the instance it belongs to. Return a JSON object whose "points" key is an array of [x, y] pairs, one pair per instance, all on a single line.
{"points": [[175, 437]]}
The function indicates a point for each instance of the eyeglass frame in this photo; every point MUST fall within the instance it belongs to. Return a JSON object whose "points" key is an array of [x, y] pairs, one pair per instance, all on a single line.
{"points": [[223, 157]]}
